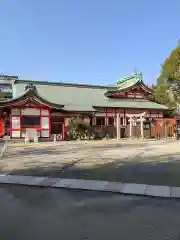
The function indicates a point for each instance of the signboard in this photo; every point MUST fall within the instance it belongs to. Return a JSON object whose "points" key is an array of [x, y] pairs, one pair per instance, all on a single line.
{"points": [[31, 133]]}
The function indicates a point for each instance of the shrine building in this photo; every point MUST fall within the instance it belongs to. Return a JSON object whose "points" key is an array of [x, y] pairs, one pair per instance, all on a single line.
{"points": [[48, 106]]}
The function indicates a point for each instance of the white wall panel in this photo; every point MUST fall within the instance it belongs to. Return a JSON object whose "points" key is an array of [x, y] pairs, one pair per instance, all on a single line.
{"points": [[16, 134], [30, 111], [45, 122], [45, 133], [45, 112], [15, 111], [15, 122], [100, 114]]}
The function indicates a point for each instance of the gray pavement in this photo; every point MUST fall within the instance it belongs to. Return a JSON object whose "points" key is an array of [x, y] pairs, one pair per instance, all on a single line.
{"points": [[149, 162], [41, 213]]}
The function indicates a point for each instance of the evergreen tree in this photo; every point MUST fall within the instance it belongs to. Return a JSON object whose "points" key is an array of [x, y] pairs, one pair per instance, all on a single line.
{"points": [[162, 95], [171, 68], [167, 90]]}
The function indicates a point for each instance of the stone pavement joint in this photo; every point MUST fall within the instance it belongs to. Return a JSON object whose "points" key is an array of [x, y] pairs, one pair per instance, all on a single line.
{"points": [[104, 186]]}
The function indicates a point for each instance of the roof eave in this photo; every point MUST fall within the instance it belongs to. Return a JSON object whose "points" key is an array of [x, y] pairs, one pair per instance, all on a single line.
{"points": [[155, 108]]}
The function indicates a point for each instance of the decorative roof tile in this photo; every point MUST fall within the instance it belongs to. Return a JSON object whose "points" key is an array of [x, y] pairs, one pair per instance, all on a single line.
{"points": [[129, 81]]}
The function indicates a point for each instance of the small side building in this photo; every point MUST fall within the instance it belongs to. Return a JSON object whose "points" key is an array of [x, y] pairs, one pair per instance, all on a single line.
{"points": [[6, 83], [48, 106]]}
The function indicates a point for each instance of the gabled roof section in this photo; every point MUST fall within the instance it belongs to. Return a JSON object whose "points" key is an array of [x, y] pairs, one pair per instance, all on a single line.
{"points": [[127, 83], [30, 94]]}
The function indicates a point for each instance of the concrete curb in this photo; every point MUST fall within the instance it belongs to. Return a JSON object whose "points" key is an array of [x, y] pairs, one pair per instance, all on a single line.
{"points": [[104, 186]]}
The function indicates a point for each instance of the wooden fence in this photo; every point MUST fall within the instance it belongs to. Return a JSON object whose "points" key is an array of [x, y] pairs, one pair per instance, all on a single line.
{"points": [[162, 128]]}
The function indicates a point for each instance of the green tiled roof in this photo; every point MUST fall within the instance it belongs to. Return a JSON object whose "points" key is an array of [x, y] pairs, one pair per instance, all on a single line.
{"points": [[129, 81], [78, 107], [127, 103], [76, 97]]}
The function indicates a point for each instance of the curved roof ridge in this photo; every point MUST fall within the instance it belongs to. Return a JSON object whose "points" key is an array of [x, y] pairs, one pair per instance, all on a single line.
{"points": [[124, 79], [136, 76]]}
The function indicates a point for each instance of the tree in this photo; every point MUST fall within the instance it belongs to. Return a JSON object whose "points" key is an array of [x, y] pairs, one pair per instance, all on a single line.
{"points": [[162, 95], [77, 129], [167, 90], [171, 68]]}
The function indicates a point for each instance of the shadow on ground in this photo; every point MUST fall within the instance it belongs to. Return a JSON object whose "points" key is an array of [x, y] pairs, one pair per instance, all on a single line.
{"points": [[160, 170], [54, 150]]}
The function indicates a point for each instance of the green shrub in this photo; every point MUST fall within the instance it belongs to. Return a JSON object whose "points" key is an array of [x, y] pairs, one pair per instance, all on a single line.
{"points": [[77, 129]]}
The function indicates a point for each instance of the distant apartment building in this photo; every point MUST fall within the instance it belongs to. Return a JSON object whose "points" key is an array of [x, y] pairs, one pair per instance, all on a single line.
{"points": [[6, 83]]}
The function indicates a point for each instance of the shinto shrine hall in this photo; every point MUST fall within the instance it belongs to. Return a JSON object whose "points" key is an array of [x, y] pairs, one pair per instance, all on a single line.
{"points": [[48, 106]]}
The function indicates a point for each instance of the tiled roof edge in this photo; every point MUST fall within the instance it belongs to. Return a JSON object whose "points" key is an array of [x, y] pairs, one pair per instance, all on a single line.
{"points": [[63, 84]]}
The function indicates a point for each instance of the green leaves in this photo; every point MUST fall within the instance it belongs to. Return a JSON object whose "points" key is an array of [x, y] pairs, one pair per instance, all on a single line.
{"points": [[77, 128], [167, 90], [160, 94], [171, 67], [163, 95]]}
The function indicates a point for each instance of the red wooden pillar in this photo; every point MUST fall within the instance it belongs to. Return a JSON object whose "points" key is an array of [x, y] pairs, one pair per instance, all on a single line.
{"points": [[1, 128], [106, 117], [49, 121]]}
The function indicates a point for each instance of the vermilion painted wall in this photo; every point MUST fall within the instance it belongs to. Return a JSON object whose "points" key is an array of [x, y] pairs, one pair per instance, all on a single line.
{"points": [[1, 128]]}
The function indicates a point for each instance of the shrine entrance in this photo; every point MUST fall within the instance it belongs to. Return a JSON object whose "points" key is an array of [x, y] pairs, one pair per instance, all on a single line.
{"points": [[136, 125], [57, 127], [123, 132]]}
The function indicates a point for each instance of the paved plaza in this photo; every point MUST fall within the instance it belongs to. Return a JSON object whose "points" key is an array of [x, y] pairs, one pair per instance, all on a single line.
{"points": [[150, 162], [42, 213]]}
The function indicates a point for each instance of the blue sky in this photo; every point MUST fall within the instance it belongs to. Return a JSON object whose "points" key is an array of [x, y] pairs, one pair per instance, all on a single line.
{"points": [[95, 41]]}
